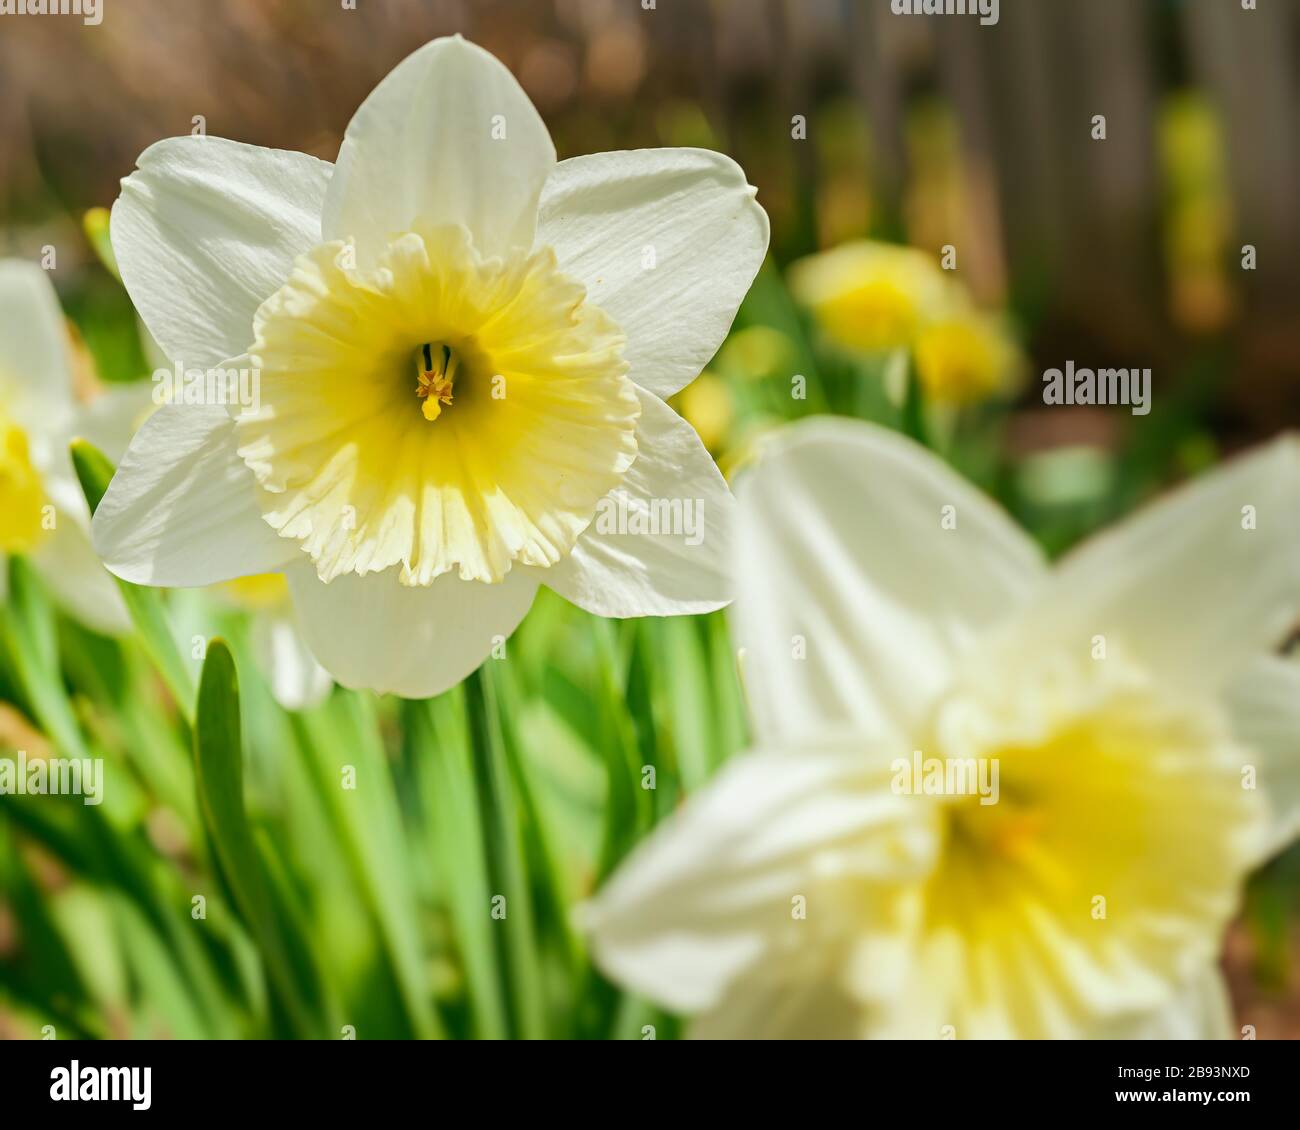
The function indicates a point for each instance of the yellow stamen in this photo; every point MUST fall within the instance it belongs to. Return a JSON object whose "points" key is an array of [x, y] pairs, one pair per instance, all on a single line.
{"points": [[436, 367]]}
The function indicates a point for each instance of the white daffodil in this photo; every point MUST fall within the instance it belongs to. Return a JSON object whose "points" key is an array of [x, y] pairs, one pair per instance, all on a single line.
{"points": [[463, 350], [43, 513], [906, 646]]}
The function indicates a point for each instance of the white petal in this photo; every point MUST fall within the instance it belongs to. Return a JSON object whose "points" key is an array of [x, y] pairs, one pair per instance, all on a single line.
{"points": [[853, 601], [298, 682], [1200, 1010], [1265, 707], [68, 565], [675, 491], [448, 136], [35, 372], [690, 209], [112, 418], [372, 632], [205, 231], [1184, 587], [709, 895], [182, 509], [801, 997]]}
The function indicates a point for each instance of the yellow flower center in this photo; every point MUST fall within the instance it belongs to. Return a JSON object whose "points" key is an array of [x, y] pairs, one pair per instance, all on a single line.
{"points": [[1106, 869], [22, 499], [535, 415]]}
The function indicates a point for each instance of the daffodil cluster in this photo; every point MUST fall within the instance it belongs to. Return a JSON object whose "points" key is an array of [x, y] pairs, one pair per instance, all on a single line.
{"points": [[881, 299]]}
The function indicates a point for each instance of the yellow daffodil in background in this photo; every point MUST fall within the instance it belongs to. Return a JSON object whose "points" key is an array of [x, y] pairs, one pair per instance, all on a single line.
{"points": [[757, 353], [1130, 708], [548, 309], [965, 356], [879, 298], [43, 514], [869, 296], [709, 407]]}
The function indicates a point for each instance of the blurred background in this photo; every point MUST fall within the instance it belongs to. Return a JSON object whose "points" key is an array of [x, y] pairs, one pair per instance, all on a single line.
{"points": [[855, 124]]}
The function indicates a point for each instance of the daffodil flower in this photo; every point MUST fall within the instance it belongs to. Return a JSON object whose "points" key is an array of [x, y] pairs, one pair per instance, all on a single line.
{"points": [[965, 356], [1144, 726], [870, 297], [463, 348], [43, 513], [881, 299]]}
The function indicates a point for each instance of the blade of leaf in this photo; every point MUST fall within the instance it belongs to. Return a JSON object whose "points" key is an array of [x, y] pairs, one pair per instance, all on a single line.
{"points": [[218, 759]]}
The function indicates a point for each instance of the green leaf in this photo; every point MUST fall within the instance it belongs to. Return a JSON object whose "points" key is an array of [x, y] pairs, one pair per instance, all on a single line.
{"points": [[499, 815], [145, 605], [366, 822], [30, 638], [218, 758]]}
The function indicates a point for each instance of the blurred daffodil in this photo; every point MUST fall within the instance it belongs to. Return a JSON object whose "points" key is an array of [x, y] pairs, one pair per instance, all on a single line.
{"points": [[708, 406], [964, 357], [43, 514], [463, 350], [757, 352], [1129, 707], [867, 296], [880, 298]]}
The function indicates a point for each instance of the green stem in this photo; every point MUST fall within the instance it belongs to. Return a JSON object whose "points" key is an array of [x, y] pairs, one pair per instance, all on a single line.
{"points": [[516, 936], [913, 415]]}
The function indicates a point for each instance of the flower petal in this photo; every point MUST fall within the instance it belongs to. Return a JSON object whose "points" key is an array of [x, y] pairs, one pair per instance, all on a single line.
{"points": [[675, 494], [298, 682], [709, 894], [801, 997], [373, 632], [692, 210], [1265, 708], [182, 509], [1193, 587], [114, 416], [1200, 1010], [864, 568], [205, 231], [68, 564], [448, 136], [35, 372]]}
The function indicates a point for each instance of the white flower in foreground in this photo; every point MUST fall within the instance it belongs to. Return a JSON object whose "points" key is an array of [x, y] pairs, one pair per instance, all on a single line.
{"points": [[464, 348], [43, 513], [1131, 697]]}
